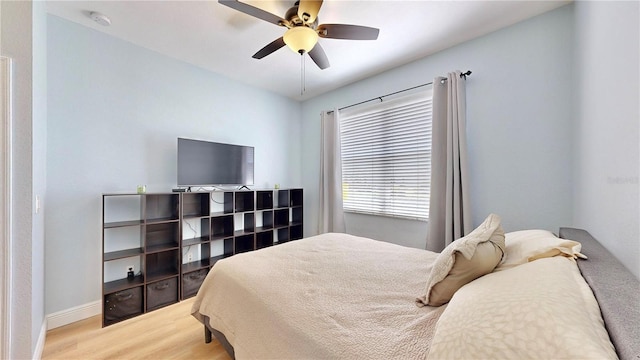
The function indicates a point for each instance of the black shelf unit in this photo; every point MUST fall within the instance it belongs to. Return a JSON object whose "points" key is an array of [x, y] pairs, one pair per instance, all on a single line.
{"points": [[174, 239], [199, 229], [140, 232], [240, 221]]}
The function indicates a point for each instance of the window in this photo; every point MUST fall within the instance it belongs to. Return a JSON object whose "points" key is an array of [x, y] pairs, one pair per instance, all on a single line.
{"points": [[386, 155]]}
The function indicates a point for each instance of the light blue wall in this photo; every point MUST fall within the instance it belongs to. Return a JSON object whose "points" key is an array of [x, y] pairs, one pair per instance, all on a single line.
{"points": [[518, 125], [115, 111], [607, 126]]}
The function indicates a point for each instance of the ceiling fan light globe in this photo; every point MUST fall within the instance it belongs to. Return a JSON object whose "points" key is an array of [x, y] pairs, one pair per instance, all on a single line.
{"points": [[300, 39]]}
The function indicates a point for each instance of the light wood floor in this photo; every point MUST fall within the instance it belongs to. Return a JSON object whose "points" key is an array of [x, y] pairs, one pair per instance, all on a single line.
{"points": [[167, 333]]}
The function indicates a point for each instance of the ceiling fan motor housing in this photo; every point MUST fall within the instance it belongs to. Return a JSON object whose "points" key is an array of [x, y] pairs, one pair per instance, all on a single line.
{"points": [[294, 20]]}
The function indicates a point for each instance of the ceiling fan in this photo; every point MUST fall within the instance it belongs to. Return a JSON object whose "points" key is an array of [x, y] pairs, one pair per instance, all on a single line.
{"points": [[303, 32]]}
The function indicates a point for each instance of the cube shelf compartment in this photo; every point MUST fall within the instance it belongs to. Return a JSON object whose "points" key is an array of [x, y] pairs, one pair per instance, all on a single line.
{"points": [[264, 200], [264, 239], [244, 201], [222, 226]]}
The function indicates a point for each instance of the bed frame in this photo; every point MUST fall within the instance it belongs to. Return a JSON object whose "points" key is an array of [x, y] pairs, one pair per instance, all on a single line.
{"points": [[615, 288], [209, 332]]}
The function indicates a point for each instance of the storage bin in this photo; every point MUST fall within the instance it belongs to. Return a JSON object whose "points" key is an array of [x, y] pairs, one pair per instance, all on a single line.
{"points": [[162, 293], [122, 305], [191, 282]]}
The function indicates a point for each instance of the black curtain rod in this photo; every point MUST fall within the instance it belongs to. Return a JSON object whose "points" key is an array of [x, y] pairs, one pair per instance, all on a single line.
{"points": [[463, 75]]}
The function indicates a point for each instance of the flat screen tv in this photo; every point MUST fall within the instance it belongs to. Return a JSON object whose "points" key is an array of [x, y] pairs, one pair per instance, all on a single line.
{"points": [[206, 163]]}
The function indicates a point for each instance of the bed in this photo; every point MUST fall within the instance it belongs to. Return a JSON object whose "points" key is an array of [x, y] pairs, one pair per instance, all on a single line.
{"points": [[338, 296]]}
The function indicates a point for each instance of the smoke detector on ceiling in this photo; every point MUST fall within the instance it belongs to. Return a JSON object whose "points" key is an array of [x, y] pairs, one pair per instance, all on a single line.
{"points": [[101, 19]]}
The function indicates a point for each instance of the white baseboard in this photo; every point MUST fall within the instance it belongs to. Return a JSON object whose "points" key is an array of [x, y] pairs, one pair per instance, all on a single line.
{"points": [[37, 352], [81, 312]]}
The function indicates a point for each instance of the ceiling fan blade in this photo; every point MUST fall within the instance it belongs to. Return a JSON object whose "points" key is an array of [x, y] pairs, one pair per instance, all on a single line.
{"points": [[348, 32], [319, 57], [271, 47], [254, 11], [308, 10]]}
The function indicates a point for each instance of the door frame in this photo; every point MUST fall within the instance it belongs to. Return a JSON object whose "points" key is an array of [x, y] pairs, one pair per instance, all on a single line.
{"points": [[5, 206]]}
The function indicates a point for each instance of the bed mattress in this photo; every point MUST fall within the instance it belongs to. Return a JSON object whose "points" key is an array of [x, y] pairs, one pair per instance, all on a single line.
{"points": [[291, 300]]}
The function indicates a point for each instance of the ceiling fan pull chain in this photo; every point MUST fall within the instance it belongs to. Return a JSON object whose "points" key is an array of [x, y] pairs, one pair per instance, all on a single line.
{"points": [[302, 79]]}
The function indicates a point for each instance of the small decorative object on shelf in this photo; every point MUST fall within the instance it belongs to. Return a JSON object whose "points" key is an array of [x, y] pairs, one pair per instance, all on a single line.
{"points": [[172, 240]]}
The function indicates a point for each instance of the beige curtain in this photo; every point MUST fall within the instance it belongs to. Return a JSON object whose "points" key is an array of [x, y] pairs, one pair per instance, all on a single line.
{"points": [[331, 214], [449, 208]]}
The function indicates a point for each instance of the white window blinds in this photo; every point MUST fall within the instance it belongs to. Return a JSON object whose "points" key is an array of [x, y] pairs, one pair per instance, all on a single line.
{"points": [[386, 155]]}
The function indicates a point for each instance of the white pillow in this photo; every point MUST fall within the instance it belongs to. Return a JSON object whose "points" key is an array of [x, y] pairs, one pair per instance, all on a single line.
{"points": [[540, 310], [464, 260], [529, 245]]}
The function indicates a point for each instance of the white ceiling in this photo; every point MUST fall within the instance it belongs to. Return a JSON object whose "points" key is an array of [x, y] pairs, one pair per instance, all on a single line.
{"points": [[218, 38]]}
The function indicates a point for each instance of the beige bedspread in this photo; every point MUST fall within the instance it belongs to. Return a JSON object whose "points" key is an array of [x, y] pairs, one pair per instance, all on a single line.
{"points": [[325, 297]]}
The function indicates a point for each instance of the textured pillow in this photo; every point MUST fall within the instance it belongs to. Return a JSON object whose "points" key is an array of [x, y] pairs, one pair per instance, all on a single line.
{"points": [[539, 310], [529, 245], [463, 261]]}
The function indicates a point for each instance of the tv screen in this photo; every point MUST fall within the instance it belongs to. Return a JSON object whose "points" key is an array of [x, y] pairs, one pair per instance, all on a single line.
{"points": [[205, 163]]}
